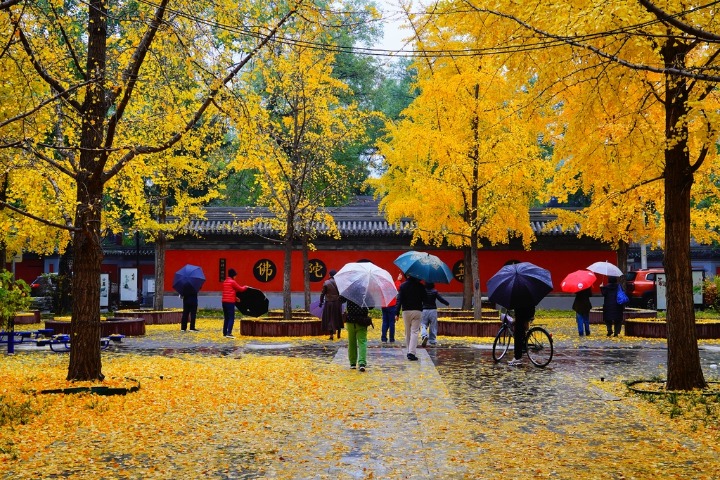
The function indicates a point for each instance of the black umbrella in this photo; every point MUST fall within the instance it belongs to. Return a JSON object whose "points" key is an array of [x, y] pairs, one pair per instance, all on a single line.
{"points": [[519, 284], [188, 280], [252, 302]]}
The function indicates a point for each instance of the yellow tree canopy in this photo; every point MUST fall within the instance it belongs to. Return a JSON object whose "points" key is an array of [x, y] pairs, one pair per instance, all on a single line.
{"points": [[600, 64], [465, 159], [293, 127]]}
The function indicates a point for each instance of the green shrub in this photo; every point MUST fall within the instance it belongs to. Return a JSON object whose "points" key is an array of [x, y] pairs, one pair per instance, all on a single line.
{"points": [[14, 298]]}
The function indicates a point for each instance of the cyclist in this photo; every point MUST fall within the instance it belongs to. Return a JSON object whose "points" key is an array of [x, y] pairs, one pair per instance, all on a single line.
{"points": [[524, 314]]}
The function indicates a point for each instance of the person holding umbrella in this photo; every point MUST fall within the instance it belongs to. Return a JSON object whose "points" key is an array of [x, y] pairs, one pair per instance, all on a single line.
{"points": [[580, 283], [187, 282], [357, 324], [582, 307], [190, 306], [229, 291], [612, 310], [410, 298], [524, 314], [519, 286]]}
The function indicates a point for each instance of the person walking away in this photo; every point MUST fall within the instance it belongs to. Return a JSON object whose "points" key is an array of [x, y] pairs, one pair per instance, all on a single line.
{"points": [[388, 315], [612, 310], [331, 319], [410, 298], [190, 306], [229, 296], [582, 307], [357, 324], [524, 314], [429, 318]]}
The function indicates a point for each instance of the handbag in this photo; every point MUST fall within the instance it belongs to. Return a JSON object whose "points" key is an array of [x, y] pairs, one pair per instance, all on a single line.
{"points": [[622, 297]]}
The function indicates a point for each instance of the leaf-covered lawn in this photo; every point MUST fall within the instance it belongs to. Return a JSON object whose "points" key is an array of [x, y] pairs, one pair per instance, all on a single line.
{"points": [[251, 415]]}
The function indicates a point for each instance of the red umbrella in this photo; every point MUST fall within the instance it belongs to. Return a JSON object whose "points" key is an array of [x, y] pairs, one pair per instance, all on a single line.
{"points": [[577, 280]]}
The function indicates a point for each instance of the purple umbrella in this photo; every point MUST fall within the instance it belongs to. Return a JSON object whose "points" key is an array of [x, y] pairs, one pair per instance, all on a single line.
{"points": [[316, 309]]}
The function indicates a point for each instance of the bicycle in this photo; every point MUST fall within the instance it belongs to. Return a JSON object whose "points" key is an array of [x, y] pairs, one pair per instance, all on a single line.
{"points": [[538, 343]]}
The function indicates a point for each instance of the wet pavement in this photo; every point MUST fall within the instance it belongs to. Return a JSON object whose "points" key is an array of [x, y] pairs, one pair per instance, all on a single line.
{"points": [[453, 408]]}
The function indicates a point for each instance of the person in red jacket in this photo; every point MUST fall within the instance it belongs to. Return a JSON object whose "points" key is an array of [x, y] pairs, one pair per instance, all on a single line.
{"points": [[229, 291]]}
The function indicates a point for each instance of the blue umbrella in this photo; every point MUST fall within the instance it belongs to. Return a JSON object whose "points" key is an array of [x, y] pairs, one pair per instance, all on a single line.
{"points": [[424, 266], [188, 280], [519, 284]]}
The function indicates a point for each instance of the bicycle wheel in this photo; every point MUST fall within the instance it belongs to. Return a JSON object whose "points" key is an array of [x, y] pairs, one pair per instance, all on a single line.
{"points": [[539, 346], [501, 343]]}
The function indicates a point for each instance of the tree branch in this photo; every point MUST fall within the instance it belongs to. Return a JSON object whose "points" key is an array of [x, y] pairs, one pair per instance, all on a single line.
{"points": [[38, 219], [599, 52], [682, 26], [146, 149], [130, 74], [54, 84]]}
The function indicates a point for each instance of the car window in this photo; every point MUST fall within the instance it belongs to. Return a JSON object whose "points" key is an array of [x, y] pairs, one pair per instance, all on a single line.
{"points": [[630, 276], [651, 276]]}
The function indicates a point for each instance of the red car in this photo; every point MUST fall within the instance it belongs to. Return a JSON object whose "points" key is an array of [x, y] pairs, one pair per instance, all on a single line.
{"points": [[640, 286]]}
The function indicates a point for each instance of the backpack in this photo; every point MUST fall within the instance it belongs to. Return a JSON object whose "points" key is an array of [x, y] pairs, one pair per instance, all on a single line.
{"points": [[622, 298]]}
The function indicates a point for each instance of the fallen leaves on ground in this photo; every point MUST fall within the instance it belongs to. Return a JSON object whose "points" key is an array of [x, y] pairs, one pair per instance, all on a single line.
{"points": [[200, 415]]}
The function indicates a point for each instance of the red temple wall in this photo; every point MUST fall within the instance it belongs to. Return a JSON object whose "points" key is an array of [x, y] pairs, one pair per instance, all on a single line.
{"points": [[252, 271]]}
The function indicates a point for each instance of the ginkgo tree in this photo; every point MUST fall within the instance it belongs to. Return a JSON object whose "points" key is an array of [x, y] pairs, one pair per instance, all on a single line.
{"points": [[97, 99], [295, 126], [464, 161], [635, 82]]}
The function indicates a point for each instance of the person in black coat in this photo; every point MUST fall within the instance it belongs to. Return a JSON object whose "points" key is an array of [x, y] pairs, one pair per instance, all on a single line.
{"points": [[524, 314], [410, 298], [612, 310], [190, 306]]}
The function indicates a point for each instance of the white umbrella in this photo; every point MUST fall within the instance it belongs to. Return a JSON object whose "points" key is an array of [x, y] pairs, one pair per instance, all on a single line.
{"points": [[366, 284], [605, 268]]}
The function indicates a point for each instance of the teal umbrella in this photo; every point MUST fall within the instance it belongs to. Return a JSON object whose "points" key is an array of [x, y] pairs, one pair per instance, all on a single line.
{"points": [[424, 266]]}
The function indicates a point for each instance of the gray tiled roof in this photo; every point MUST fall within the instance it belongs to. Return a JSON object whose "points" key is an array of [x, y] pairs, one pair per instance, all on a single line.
{"points": [[360, 218]]}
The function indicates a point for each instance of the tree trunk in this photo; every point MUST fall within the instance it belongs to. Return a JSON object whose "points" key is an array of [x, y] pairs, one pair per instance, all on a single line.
{"points": [[159, 295], [475, 275], [473, 214], [622, 255], [467, 280], [306, 272], [85, 360], [287, 270], [684, 370]]}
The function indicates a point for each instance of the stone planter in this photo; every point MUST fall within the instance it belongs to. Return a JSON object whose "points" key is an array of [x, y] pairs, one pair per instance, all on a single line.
{"points": [[154, 317], [278, 314], [468, 327], [130, 327], [487, 313], [596, 314], [27, 318], [301, 327], [658, 329]]}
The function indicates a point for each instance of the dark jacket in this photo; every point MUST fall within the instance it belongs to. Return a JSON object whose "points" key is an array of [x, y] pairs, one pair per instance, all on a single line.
{"points": [[431, 295], [612, 311], [411, 295], [355, 311], [190, 300], [582, 303]]}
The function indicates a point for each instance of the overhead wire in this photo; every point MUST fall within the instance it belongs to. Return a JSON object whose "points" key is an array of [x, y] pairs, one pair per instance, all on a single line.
{"points": [[538, 44]]}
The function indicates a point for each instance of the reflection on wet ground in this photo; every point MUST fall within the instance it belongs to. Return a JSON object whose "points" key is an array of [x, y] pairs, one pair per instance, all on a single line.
{"points": [[474, 379]]}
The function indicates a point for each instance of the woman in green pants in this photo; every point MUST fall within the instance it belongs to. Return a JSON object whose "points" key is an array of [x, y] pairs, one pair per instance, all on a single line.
{"points": [[356, 325]]}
